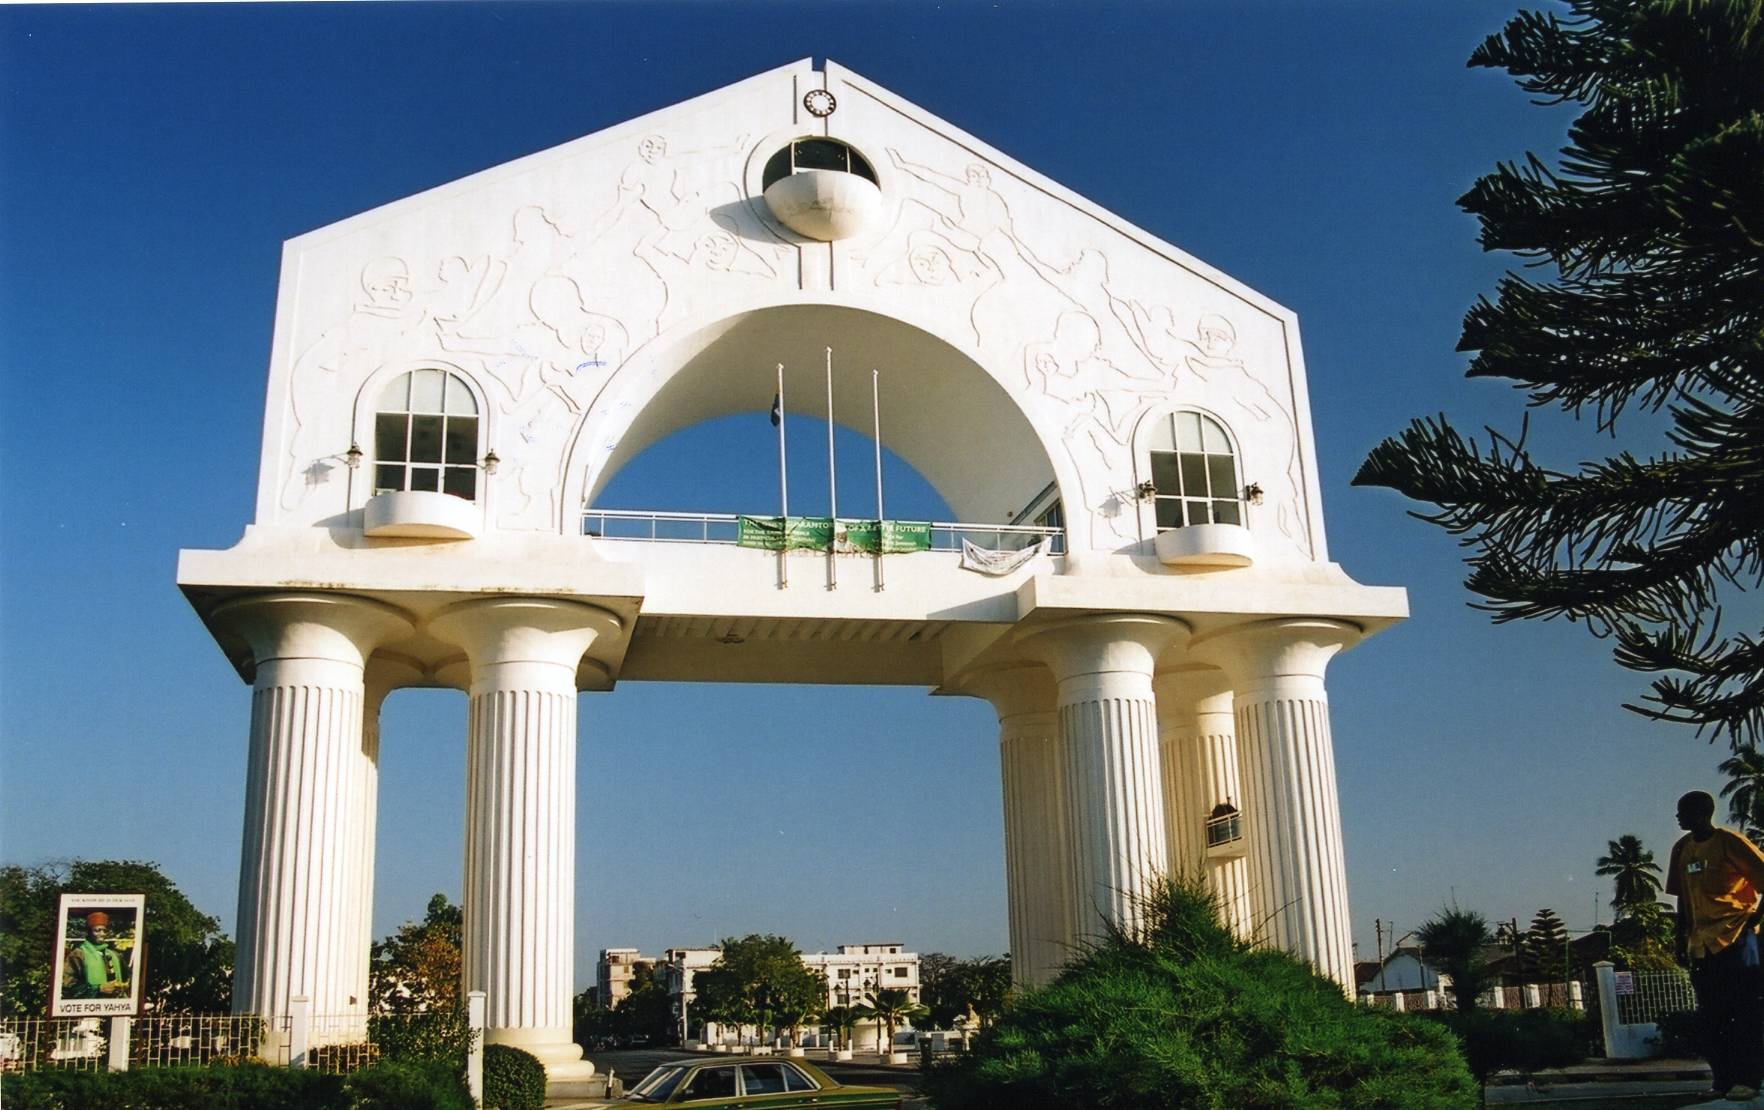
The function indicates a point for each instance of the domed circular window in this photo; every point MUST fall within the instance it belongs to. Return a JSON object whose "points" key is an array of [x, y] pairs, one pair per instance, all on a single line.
{"points": [[816, 154]]}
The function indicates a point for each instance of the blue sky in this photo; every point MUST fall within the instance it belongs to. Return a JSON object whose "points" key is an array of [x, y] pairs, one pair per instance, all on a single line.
{"points": [[153, 159]]}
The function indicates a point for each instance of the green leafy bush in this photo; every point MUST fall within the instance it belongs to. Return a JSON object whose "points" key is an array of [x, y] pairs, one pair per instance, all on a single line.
{"points": [[409, 1085], [513, 1080], [1183, 1015], [1519, 1040], [246, 1087], [434, 1035]]}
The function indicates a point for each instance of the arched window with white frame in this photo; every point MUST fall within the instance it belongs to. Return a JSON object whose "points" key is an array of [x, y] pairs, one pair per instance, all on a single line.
{"points": [[426, 435], [1194, 471]]}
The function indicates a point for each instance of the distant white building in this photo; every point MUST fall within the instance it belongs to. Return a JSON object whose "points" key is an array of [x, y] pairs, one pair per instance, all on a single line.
{"points": [[853, 971], [615, 973], [856, 970]]}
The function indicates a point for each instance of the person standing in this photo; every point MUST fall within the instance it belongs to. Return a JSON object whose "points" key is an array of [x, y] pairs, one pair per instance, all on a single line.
{"points": [[94, 968], [1717, 874]]}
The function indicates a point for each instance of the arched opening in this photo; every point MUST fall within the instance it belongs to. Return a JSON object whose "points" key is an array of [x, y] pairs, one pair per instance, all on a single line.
{"points": [[940, 411]]}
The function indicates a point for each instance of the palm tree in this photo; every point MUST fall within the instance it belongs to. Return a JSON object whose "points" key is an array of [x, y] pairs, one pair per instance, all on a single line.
{"points": [[842, 1020], [1453, 942], [890, 1006], [1637, 875], [1745, 790]]}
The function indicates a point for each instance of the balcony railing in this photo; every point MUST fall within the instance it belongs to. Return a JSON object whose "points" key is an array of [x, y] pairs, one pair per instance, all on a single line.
{"points": [[1224, 830], [724, 528]]}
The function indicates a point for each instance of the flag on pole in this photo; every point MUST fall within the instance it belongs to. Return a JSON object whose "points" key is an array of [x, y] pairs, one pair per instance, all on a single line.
{"points": [[777, 409]]}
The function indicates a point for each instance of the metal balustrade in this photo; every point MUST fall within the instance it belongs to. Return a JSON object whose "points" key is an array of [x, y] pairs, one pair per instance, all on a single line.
{"points": [[724, 528]]}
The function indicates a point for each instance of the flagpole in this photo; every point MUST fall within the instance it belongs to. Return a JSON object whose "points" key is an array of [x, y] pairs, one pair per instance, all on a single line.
{"points": [[783, 493], [881, 517], [832, 486]]}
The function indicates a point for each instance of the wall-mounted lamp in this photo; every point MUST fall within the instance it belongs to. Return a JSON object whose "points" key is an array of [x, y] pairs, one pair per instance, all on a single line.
{"points": [[490, 461], [352, 457], [1146, 490], [1253, 493]]}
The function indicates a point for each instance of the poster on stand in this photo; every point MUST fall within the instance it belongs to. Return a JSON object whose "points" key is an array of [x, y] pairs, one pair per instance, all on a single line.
{"points": [[99, 955]]}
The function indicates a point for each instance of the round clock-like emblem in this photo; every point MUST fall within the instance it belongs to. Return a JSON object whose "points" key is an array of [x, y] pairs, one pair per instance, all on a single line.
{"points": [[819, 102]]}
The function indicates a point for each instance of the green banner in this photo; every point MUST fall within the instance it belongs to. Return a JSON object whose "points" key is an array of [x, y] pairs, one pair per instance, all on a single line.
{"points": [[816, 533], [890, 537], [768, 532]]}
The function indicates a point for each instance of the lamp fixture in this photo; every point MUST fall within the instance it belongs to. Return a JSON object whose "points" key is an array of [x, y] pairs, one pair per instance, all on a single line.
{"points": [[1146, 490], [490, 461], [1253, 493], [352, 457]]}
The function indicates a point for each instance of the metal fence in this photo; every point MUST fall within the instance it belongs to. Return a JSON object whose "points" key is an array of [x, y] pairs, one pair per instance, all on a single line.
{"points": [[1654, 994], [78, 1044], [175, 1039]]}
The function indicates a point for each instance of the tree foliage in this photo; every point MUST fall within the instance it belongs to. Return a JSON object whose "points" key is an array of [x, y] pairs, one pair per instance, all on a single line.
{"points": [[1545, 947], [758, 980], [1647, 289], [418, 968], [1633, 872], [1744, 790], [1182, 1014], [189, 960], [1453, 942], [948, 986], [890, 1007]]}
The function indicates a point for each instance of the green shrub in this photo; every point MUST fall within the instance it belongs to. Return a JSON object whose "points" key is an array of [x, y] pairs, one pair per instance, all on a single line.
{"points": [[1519, 1040], [409, 1085], [1677, 1034], [245, 1087], [513, 1080], [433, 1035], [1186, 1016]]}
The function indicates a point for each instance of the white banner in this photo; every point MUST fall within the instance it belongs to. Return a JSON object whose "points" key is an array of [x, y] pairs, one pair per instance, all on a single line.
{"points": [[1000, 562]]}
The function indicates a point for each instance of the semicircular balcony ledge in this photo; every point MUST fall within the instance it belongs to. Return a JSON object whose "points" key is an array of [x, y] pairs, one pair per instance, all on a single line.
{"points": [[1206, 545], [420, 515]]}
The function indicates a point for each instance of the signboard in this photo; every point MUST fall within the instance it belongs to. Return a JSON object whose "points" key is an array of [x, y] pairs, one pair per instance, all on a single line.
{"points": [[1625, 982], [99, 955]]}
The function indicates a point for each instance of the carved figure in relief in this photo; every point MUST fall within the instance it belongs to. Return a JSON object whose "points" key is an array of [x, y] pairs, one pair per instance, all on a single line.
{"points": [[716, 255], [1085, 282], [1211, 357], [537, 245], [935, 261], [585, 346], [387, 321], [1097, 425]]}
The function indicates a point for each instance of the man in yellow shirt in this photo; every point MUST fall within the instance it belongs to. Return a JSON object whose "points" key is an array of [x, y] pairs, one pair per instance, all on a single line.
{"points": [[1717, 874]]}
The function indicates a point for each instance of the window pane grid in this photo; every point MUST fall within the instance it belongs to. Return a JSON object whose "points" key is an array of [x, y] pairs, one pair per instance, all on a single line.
{"points": [[1194, 474], [426, 435]]}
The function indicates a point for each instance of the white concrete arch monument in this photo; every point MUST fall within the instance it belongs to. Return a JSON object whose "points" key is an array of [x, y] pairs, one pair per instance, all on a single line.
{"points": [[1122, 432]]}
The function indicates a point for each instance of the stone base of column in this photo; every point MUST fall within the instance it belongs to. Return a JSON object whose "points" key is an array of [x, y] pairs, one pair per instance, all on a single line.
{"points": [[553, 1047]]}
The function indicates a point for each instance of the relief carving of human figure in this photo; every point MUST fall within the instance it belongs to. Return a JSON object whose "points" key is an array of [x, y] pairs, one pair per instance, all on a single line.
{"points": [[1096, 429], [386, 321]]}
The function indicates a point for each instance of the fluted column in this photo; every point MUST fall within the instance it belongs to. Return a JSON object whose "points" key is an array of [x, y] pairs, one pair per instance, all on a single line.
{"points": [[1109, 752], [1198, 734], [1043, 926], [308, 839], [519, 937], [1292, 814]]}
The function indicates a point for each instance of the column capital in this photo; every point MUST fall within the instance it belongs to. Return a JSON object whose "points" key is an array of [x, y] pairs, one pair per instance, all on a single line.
{"points": [[1099, 643], [1014, 689], [501, 631], [1188, 690], [1261, 653], [341, 628]]}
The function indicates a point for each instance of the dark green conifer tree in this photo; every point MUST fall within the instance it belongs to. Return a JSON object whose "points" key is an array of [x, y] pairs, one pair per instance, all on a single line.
{"points": [[1646, 289]]}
